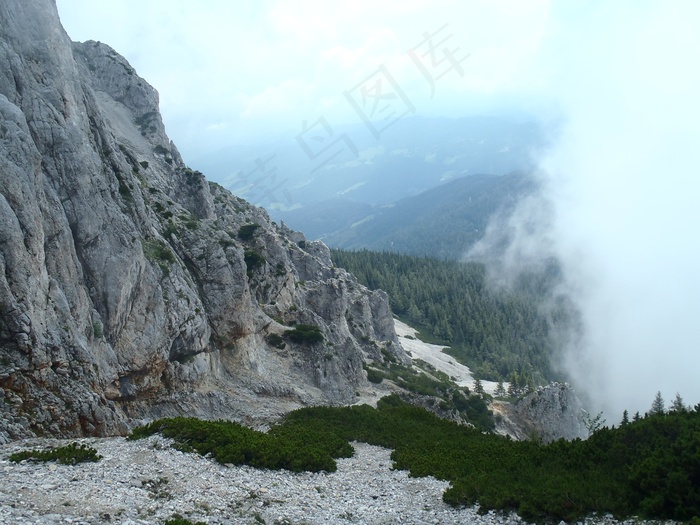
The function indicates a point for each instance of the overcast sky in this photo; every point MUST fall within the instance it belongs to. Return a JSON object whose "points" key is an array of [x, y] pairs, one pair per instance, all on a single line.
{"points": [[226, 69], [622, 177]]}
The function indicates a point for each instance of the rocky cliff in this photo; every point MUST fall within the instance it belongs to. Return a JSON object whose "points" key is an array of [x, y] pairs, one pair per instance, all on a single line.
{"points": [[549, 413], [130, 287]]}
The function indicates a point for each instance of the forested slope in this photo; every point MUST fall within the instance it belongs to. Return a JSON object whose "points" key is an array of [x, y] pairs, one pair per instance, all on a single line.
{"points": [[500, 333]]}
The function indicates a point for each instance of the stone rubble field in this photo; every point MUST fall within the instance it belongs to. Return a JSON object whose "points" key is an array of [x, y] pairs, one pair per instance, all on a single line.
{"points": [[147, 482]]}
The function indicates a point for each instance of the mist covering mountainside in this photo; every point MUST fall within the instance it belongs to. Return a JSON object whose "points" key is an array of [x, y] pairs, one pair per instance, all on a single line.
{"points": [[354, 190]]}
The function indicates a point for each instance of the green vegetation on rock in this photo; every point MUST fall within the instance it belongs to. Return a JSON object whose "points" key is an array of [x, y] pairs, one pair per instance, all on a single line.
{"points": [[159, 253], [425, 380], [648, 468], [304, 334], [247, 231], [67, 455], [253, 261], [182, 521], [276, 340]]}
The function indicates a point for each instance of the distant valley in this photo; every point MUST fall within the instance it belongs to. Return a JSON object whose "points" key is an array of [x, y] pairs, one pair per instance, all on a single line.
{"points": [[348, 163], [441, 222], [351, 190]]}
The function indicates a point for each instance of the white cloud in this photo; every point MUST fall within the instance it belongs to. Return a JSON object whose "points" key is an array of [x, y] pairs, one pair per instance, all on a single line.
{"points": [[275, 100], [621, 183], [232, 58]]}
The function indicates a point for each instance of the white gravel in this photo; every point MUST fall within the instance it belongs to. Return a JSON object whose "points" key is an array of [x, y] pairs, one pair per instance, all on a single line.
{"points": [[147, 482]]}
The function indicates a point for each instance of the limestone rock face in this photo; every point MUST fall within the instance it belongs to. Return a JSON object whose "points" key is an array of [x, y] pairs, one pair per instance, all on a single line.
{"points": [[549, 413], [132, 288]]}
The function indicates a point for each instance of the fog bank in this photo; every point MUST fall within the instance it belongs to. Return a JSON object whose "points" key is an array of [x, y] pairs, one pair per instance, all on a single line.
{"points": [[619, 205]]}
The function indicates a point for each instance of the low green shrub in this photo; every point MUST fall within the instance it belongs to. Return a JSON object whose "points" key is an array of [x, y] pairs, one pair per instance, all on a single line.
{"points": [[170, 229], [374, 375], [97, 329], [253, 261], [125, 191], [158, 252], [192, 177], [304, 334], [276, 341], [229, 442], [67, 455], [192, 223], [648, 468], [182, 521], [161, 150], [146, 122], [247, 231]]}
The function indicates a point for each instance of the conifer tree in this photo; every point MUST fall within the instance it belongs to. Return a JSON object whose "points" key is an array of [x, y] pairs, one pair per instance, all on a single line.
{"points": [[678, 405], [625, 418], [658, 406], [594, 424], [500, 390], [513, 387]]}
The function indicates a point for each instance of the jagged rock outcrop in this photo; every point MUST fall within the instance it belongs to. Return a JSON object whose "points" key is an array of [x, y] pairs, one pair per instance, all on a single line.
{"points": [[130, 287], [549, 413]]}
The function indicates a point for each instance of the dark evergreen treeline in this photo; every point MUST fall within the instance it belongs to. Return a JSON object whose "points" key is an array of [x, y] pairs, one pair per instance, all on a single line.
{"points": [[499, 333], [649, 467]]}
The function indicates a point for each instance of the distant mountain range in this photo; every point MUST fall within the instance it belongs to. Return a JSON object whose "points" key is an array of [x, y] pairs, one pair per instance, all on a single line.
{"points": [[425, 186], [441, 222], [349, 164]]}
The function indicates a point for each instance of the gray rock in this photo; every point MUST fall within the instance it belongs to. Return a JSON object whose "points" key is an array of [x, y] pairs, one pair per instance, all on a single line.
{"points": [[126, 292], [550, 413]]}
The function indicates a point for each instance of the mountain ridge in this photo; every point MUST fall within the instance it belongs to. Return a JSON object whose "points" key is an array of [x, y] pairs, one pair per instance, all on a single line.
{"points": [[131, 288], [443, 222], [415, 154], [128, 290]]}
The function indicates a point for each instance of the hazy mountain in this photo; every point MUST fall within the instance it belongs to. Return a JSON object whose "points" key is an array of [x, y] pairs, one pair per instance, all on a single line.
{"points": [[441, 222], [349, 163]]}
